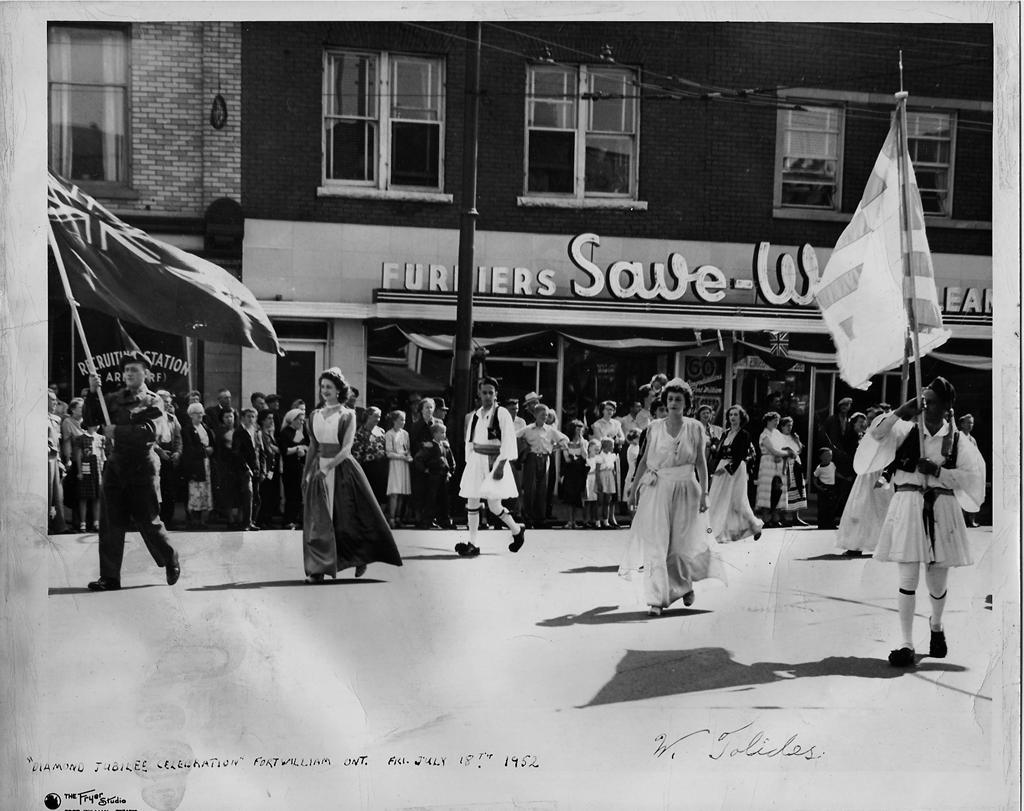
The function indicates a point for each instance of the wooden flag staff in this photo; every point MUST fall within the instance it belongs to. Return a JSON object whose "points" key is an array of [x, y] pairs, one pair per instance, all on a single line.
{"points": [[74, 315], [910, 291]]}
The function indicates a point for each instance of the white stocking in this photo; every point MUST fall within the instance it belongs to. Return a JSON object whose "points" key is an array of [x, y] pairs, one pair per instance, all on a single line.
{"points": [[909, 575], [935, 577]]}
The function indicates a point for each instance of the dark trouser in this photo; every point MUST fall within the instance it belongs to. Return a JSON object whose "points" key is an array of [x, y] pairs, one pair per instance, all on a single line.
{"points": [[827, 503], [431, 491], [248, 498], [270, 500], [535, 488], [130, 492], [549, 501], [168, 491]]}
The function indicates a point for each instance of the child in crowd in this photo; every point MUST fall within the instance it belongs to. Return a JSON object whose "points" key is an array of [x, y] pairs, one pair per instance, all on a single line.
{"points": [[590, 494], [632, 457], [825, 482], [574, 472], [88, 450], [396, 445], [435, 460], [607, 474]]}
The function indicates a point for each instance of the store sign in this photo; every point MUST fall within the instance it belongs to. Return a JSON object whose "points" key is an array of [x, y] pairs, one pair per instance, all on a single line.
{"points": [[706, 376], [789, 281]]}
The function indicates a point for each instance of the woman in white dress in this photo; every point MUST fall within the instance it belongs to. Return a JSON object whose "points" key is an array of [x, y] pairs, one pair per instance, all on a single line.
{"points": [[730, 514], [867, 503], [669, 545], [771, 494], [343, 524], [793, 475]]}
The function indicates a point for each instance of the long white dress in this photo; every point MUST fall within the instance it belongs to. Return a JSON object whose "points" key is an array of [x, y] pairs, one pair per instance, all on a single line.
{"points": [[903, 537], [325, 429], [728, 505], [670, 542], [867, 504]]}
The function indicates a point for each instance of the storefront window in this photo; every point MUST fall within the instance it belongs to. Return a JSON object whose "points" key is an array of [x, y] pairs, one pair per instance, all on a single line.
{"points": [[592, 376]]}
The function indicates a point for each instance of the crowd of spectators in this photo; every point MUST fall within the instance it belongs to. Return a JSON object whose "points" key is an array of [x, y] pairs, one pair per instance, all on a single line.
{"points": [[226, 465]]}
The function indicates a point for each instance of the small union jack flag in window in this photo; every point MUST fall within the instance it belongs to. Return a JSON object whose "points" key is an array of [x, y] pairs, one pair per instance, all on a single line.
{"points": [[778, 343]]}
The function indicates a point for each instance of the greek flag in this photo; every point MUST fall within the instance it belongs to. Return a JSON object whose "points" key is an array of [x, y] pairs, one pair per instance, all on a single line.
{"points": [[863, 290]]}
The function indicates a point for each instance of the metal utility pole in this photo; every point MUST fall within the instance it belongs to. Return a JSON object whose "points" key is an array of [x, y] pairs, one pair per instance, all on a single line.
{"points": [[467, 237]]}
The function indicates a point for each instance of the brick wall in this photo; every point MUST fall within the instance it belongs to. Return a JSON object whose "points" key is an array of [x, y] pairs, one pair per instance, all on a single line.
{"points": [[179, 163], [706, 165]]}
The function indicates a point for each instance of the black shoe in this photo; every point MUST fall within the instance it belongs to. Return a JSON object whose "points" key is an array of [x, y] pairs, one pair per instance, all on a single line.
{"points": [[937, 647], [467, 550], [852, 553], [517, 540], [173, 570], [252, 528], [901, 657], [360, 570], [105, 584]]}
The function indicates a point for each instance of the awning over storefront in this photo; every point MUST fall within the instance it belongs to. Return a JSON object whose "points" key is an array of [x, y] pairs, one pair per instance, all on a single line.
{"points": [[829, 358], [399, 377]]}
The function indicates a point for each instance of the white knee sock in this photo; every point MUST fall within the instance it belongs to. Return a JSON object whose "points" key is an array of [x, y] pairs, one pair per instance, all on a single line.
{"points": [[473, 520], [909, 574], [935, 577]]}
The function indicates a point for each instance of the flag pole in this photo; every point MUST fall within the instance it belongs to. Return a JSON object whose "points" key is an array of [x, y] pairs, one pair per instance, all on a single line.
{"points": [[74, 314], [910, 290]]}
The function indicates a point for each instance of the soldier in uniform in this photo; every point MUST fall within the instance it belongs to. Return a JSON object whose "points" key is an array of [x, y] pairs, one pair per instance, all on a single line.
{"points": [[131, 478]]}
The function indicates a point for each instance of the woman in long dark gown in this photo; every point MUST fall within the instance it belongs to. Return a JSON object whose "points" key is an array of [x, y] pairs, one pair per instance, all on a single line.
{"points": [[343, 524]]}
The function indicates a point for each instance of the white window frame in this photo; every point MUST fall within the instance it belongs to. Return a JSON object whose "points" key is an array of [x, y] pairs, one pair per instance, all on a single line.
{"points": [[816, 96], [103, 188], [949, 167], [781, 128], [580, 197], [382, 187]]}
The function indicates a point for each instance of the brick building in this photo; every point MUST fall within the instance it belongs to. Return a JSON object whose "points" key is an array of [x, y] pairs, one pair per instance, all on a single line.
{"points": [[723, 152], [130, 123]]}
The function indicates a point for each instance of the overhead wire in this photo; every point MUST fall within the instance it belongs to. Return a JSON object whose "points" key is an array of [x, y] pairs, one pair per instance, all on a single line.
{"points": [[691, 90]]}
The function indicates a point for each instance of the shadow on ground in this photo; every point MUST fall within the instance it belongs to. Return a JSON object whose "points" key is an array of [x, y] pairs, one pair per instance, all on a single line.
{"points": [[269, 584], [600, 616], [836, 556], [653, 674], [592, 570], [53, 592]]}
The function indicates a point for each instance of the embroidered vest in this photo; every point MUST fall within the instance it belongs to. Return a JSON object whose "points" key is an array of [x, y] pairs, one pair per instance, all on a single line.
{"points": [[910, 451], [493, 430]]}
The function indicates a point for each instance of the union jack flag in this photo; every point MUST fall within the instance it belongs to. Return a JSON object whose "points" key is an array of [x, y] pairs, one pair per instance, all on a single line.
{"points": [[778, 344]]}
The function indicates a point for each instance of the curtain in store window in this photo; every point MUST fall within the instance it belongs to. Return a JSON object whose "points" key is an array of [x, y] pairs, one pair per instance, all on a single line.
{"points": [[59, 56]]}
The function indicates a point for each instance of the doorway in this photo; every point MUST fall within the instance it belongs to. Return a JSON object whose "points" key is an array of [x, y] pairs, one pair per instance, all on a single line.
{"points": [[297, 371]]}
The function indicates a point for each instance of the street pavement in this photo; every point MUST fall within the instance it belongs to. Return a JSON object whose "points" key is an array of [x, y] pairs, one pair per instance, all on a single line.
{"points": [[531, 680]]}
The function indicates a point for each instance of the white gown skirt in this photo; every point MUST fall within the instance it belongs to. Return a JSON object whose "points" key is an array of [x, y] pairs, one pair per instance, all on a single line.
{"points": [[903, 538], [670, 542], [865, 513], [729, 507]]}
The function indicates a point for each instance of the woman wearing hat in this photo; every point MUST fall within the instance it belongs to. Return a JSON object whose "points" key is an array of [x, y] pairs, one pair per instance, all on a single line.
{"points": [[293, 443], [196, 450], [935, 476], [343, 524], [670, 538]]}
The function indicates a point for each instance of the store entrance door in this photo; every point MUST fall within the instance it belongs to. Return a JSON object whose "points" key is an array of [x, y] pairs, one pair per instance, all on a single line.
{"points": [[297, 371]]}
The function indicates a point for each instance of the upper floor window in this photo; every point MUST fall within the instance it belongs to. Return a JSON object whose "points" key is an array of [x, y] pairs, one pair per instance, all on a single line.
{"points": [[930, 141], [582, 131], [383, 121], [810, 158], [88, 102]]}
